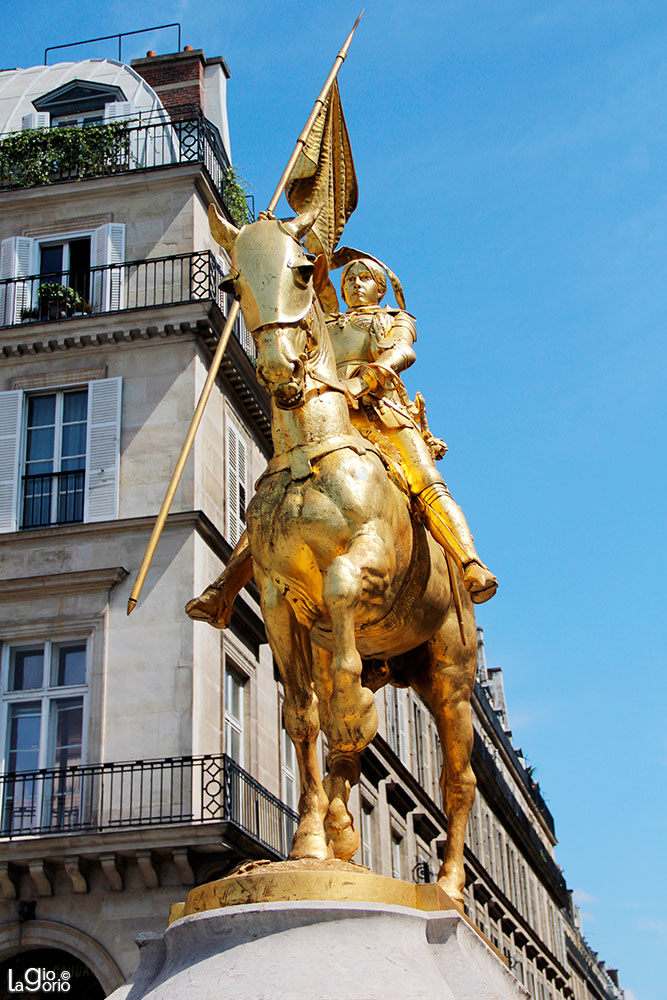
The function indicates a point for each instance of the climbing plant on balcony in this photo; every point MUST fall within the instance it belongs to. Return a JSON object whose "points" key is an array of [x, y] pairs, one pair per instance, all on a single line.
{"points": [[235, 197], [42, 155]]}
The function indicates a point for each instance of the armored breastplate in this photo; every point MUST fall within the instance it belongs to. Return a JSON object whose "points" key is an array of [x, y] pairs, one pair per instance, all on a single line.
{"points": [[351, 338]]}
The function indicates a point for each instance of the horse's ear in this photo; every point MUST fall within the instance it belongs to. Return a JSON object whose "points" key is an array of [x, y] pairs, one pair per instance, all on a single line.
{"points": [[224, 232], [302, 224]]}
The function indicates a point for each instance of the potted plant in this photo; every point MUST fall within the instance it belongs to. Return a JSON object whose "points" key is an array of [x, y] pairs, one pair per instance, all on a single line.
{"points": [[58, 301]]}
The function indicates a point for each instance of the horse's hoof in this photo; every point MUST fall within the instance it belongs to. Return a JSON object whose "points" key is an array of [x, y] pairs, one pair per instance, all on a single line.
{"points": [[341, 834], [451, 887], [351, 730], [311, 845], [207, 608]]}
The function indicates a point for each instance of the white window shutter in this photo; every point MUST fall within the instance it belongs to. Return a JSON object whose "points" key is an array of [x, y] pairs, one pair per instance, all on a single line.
{"points": [[237, 461], [232, 486], [10, 418], [403, 752], [116, 256], [36, 119], [108, 286], [16, 261], [103, 450], [115, 110]]}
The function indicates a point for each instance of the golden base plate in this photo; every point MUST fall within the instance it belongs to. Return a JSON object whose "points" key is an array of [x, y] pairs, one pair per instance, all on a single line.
{"points": [[308, 879]]}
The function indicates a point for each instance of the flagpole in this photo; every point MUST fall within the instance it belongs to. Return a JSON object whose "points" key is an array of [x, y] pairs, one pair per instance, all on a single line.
{"points": [[317, 107], [224, 338]]}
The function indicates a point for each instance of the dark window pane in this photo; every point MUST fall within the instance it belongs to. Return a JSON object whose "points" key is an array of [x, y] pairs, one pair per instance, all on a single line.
{"points": [[24, 727], [75, 406], [26, 669], [52, 259], [68, 730], [41, 411], [40, 447], [69, 665], [74, 442]]}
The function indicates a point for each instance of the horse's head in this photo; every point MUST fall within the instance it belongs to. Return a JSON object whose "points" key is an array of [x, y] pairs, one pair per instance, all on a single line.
{"points": [[273, 278]]}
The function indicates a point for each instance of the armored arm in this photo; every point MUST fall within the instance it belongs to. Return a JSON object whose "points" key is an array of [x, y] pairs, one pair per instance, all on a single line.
{"points": [[392, 352]]}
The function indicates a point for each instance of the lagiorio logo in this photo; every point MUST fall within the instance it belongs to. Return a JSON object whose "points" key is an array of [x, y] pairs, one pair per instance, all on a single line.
{"points": [[35, 980]]}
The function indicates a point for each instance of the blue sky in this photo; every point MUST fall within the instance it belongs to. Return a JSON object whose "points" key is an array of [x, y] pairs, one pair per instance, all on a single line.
{"points": [[511, 165]]}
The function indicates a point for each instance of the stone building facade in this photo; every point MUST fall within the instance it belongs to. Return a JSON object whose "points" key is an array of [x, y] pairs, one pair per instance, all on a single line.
{"points": [[143, 755]]}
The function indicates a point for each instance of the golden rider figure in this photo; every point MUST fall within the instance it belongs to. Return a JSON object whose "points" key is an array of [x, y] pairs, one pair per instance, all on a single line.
{"points": [[373, 344]]}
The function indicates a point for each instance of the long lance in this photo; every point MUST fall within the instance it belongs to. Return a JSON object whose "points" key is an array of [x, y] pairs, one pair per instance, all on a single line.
{"points": [[224, 338]]}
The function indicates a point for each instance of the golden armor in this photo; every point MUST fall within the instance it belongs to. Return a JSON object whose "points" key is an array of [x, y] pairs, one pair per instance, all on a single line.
{"points": [[373, 344]]}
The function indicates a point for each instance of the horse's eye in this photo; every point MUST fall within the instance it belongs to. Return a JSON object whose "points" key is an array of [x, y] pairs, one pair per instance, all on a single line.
{"points": [[302, 274]]}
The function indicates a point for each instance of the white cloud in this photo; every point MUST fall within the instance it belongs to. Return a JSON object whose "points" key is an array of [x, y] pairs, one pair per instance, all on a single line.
{"points": [[630, 994], [581, 897], [656, 926]]}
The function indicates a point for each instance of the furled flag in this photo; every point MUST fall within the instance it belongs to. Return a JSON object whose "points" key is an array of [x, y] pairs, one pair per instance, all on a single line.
{"points": [[324, 178]]}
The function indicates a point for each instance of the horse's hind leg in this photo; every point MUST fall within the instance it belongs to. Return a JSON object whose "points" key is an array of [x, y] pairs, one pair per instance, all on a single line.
{"points": [[342, 769], [290, 643], [444, 675]]}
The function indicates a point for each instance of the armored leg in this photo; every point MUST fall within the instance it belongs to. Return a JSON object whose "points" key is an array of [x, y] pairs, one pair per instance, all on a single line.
{"points": [[449, 527], [445, 519]]}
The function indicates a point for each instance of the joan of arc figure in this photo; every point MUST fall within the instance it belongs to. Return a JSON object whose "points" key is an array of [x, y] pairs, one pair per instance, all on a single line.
{"points": [[373, 344]]}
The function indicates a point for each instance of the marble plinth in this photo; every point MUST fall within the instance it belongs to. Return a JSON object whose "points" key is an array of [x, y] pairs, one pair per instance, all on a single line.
{"points": [[319, 950]]}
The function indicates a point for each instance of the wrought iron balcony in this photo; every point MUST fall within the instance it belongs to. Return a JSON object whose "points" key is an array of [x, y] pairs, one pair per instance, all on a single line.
{"points": [[137, 284], [141, 143], [53, 498], [92, 798]]}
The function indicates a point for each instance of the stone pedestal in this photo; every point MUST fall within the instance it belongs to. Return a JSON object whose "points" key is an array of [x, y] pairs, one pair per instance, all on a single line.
{"points": [[320, 950]]}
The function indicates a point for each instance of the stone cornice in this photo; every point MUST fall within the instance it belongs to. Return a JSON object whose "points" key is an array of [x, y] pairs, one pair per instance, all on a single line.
{"points": [[131, 181], [57, 584]]}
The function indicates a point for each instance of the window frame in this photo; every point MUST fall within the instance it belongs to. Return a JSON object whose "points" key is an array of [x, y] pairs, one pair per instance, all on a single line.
{"points": [[233, 670], [59, 393], [48, 693]]}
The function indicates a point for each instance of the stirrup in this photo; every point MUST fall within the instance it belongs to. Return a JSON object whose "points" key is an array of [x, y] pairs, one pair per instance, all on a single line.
{"points": [[479, 590]]}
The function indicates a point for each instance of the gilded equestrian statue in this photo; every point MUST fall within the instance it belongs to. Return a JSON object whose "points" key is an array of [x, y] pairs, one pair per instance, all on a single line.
{"points": [[355, 592]]}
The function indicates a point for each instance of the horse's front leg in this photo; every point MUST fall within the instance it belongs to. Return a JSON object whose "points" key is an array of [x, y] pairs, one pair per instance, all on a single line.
{"points": [[352, 719], [290, 643]]}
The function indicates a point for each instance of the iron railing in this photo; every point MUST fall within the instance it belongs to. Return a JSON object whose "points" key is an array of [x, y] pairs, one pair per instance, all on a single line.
{"points": [[160, 142], [53, 498], [88, 798], [137, 284]]}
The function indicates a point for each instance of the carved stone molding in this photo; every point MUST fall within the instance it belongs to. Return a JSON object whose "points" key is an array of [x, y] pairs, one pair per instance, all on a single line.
{"points": [[40, 878], [112, 872], [147, 869], [184, 867]]}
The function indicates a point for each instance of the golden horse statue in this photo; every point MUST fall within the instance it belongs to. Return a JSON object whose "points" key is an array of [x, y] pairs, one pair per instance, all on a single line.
{"points": [[355, 593]]}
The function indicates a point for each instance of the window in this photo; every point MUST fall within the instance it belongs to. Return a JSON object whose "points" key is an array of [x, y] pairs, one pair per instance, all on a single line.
{"points": [[234, 716], [44, 690], [288, 770], [55, 458], [419, 748], [237, 464], [59, 455], [396, 721], [64, 264], [436, 761], [82, 261], [396, 855], [366, 834]]}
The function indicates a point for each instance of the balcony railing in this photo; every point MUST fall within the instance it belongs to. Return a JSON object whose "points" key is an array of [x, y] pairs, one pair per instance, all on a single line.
{"points": [[53, 498], [137, 284], [67, 154], [92, 798]]}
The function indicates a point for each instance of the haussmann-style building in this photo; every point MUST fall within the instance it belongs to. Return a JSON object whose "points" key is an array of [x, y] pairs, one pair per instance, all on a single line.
{"points": [[141, 756]]}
